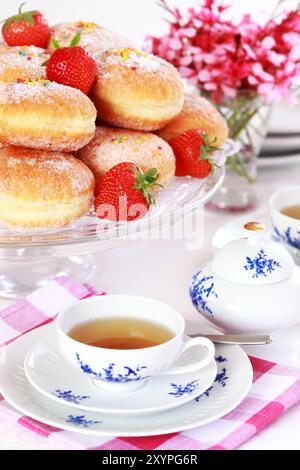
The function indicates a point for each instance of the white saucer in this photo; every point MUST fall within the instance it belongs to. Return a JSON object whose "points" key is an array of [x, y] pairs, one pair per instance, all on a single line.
{"points": [[53, 376], [231, 385]]}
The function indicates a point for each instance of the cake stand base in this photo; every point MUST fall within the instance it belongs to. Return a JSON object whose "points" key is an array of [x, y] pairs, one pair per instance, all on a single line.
{"points": [[18, 279]]}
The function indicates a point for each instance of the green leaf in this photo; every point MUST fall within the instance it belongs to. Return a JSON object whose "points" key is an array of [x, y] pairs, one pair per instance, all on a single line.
{"points": [[8, 22], [152, 172], [32, 12], [28, 18], [55, 43], [75, 40]]}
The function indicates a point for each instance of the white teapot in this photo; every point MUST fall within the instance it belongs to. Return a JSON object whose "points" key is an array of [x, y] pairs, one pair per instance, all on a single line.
{"points": [[250, 286]]}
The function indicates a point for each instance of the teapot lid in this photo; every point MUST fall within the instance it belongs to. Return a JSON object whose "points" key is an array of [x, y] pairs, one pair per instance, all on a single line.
{"points": [[253, 259]]}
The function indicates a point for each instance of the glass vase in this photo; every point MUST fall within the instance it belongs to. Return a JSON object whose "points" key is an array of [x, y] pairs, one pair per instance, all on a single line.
{"points": [[247, 117]]}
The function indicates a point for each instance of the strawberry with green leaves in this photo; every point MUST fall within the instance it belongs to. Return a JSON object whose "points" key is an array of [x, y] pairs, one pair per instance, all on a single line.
{"points": [[28, 28], [125, 192], [73, 66], [193, 153]]}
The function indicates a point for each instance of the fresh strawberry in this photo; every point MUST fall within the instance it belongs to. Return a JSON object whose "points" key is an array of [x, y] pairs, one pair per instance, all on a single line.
{"points": [[73, 66], [28, 28], [124, 193], [193, 154]]}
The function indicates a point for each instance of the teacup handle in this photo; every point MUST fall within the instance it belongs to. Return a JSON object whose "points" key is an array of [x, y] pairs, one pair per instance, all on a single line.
{"points": [[195, 365]]}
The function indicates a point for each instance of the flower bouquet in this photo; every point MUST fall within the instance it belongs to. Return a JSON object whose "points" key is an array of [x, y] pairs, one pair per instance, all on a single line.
{"points": [[242, 66]]}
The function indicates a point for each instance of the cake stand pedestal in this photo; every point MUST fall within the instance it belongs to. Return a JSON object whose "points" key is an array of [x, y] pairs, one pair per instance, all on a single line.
{"points": [[19, 277]]}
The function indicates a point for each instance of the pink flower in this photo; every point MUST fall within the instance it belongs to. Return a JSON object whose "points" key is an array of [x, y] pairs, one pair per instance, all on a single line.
{"points": [[188, 32], [175, 44], [210, 86], [229, 92], [268, 43], [295, 53], [276, 58], [258, 70], [291, 38], [204, 75], [186, 72], [253, 80], [249, 51], [224, 57], [186, 60]]}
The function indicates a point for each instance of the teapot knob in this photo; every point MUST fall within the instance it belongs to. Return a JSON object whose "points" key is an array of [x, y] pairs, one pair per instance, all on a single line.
{"points": [[254, 226], [253, 232]]}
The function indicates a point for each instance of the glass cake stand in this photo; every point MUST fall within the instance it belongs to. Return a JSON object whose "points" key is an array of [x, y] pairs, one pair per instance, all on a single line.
{"points": [[30, 259]]}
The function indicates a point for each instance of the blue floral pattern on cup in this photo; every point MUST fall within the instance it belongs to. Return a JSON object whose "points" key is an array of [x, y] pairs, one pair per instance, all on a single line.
{"points": [[261, 265], [81, 421], [109, 373], [187, 389], [288, 237], [201, 290], [69, 396]]}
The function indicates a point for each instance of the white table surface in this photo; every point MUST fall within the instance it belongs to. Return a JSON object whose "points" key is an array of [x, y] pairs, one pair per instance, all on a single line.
{"points": [[162, 269]]}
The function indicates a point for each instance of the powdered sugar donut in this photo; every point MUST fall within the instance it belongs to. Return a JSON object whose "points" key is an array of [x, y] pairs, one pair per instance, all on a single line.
{"points": [[112, 146], [93, 37], [40, 189], [22, 62], [45, 115], [137, 90]]}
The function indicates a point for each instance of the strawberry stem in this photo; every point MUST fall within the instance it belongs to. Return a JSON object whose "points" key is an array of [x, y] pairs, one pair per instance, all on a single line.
{"points": [[26, 16], [20, 7], [207, 149], [145, 182]]}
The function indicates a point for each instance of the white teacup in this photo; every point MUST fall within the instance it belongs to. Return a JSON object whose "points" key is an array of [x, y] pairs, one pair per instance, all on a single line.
{"points": [[286, 228], [127, 370]]}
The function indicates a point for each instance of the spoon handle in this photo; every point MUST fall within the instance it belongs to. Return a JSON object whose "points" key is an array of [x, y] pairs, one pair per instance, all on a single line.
{"points": [[238, 339]]}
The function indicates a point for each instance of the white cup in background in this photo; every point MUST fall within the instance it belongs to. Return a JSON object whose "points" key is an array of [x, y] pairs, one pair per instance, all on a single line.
{"points": [[286, 228]]}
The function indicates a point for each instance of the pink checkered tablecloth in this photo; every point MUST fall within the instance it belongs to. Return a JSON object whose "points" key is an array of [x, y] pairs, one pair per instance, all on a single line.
{"points": [[275, 387]]}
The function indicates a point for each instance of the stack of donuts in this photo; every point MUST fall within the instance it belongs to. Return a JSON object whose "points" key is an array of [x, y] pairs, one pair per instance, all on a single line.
{"points": [[52, 152]]}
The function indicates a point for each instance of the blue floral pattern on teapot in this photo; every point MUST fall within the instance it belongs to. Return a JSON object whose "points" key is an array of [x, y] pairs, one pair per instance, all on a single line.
{"points": [[201, 290], [261, 265]]}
